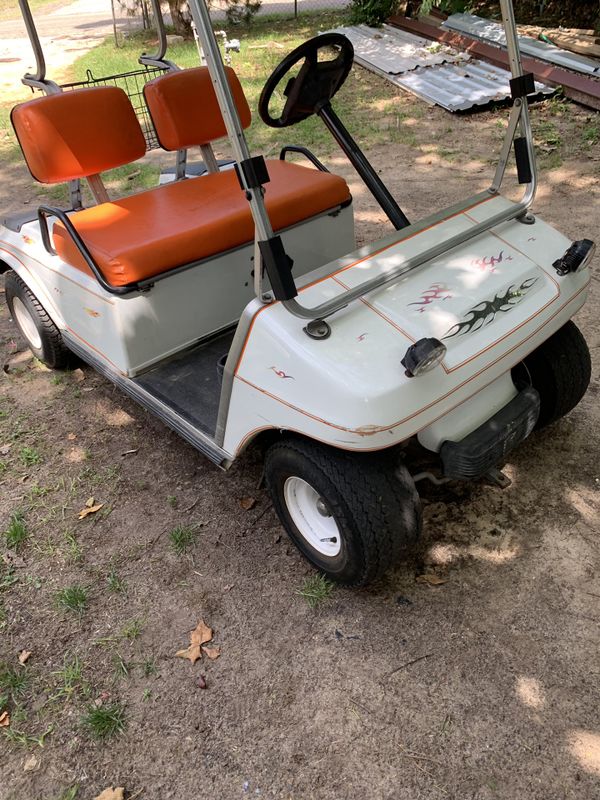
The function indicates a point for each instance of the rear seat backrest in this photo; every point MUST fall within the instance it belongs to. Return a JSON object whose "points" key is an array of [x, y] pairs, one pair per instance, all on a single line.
{"points": [[184, 107], [77, 134]]}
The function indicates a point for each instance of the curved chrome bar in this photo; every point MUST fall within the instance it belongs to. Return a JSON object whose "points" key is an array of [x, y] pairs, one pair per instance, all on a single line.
{"points": [[38, 80], [330, 307], [158, 59]]}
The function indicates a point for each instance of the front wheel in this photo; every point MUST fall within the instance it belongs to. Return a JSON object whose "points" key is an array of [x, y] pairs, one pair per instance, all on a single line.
{"points": [[560, 369], [352, 516]]}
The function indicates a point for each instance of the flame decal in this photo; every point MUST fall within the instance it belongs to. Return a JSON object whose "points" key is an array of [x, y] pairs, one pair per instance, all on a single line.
{"points": [[485, 312]]}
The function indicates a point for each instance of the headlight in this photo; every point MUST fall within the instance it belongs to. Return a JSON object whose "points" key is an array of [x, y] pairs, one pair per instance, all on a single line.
{"points": [[423, 356]]}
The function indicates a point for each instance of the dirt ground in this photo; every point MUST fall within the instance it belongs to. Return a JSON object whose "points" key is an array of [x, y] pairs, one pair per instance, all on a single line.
{"points": [[484, 687]]}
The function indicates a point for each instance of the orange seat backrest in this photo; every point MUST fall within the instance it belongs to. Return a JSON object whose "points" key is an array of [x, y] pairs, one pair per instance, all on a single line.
{"points": [[79, 133], [184, 107]]}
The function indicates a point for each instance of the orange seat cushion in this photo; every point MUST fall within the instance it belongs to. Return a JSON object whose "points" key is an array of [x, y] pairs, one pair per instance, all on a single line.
{"points": [[184, 107], [75, 134], [143, 235]]}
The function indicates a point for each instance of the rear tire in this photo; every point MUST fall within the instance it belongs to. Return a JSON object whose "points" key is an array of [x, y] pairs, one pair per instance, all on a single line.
{"points": [[36, 327], [560, 369], [352, 516]]}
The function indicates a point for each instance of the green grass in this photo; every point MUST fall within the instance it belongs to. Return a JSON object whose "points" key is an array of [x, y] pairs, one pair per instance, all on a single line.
{"points": [[69, 679], [316, 589], [103, 722], [115, 583], [13, 682], [73, 598], [69, 794], [182, 538], [16, 533], [133, 629], [29, 456]]}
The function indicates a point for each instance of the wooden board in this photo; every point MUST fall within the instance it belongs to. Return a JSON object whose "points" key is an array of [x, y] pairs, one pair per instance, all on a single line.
{"points": [[576, 43]]}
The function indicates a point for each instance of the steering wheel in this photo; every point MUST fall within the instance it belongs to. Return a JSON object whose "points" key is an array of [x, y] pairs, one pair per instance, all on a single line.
{"points": [[316, 83]]}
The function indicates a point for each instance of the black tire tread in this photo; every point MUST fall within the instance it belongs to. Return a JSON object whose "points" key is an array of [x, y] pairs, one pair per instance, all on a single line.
{"points": [[377, 492], [54, 353], [560, 369]]}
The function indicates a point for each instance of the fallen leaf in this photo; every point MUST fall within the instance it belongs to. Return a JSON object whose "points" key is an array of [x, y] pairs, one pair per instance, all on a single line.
{"points": [[78, 375], [193, 653], [4, 450], [431, 579], [4, 719], [111, 794], [201, 633], [199, 636], [71, 437], [90, 510], [202, 682], [212, 652], [23, 656], [31, 764], [89, 502], [247, 503]]}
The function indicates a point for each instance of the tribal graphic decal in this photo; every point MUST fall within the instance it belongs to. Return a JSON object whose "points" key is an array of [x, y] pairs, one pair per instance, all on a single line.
{"points": [[485, 312], [437, 291], [490, 262]]}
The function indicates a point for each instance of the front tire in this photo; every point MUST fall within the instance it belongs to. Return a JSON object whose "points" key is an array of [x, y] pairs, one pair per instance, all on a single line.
{"points": [[560, 369], [351, 515], [36, 327]]}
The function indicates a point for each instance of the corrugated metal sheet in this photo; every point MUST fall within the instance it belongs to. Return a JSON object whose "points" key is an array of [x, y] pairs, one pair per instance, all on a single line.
{"points": [[458, 88], [406, 61], [490, 31], [394, 51]]}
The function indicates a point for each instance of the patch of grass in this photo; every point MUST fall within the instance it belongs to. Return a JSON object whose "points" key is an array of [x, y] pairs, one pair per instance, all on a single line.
{"points": [[27, 739], [591, 134], [70, 678], [147, 695], [73, 598], [13, 682], [10, 10], [132, 629], [172, 500], [57, 380], [29, 456], [182, 538], [316, 589], [16, 533], [72, 547], [121, 666], [106, 721], [114, 582], [70, 793], [149, 667]]}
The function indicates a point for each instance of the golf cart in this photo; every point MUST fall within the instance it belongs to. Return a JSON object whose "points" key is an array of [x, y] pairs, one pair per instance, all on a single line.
{"points": [[235, 307]]}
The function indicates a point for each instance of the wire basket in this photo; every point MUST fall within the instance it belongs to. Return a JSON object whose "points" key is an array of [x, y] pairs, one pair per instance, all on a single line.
{"points": [[132, 84]]}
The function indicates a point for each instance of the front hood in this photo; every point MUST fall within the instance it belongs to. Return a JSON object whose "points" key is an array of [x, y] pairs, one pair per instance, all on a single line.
{"points": [[491, 301]]}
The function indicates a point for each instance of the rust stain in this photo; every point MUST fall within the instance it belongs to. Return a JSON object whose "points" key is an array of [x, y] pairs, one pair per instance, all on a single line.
{"points": [[91, 312]]}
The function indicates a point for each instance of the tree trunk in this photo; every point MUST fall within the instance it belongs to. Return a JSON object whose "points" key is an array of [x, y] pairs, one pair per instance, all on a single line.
{"points": [[181, 18]]}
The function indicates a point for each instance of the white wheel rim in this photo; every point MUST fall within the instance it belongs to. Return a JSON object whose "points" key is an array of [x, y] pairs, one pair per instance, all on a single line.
{"points": [[26, 323], [311, 517]]}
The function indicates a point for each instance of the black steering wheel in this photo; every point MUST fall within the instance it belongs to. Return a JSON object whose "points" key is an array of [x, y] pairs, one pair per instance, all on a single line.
{"points": [[316, 83]]}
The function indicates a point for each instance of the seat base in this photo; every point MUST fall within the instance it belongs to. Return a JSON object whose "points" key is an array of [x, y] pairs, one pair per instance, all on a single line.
{"points": [[145, 235]]}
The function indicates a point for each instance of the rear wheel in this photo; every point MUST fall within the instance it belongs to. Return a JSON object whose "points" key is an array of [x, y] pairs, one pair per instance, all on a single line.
{"points": [[560, 370], [352, 516], [36, 327]]}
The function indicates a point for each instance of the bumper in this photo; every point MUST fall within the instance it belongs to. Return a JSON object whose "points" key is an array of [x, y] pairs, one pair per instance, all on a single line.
{"points": [[487, 446]]}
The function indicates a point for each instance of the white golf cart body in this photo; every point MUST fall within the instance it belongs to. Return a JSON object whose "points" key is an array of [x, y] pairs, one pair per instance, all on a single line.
{"points": [[419, 334]]}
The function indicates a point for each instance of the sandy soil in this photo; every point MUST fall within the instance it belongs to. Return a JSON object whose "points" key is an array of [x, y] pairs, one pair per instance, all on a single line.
{"points": [[485, 687]]}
